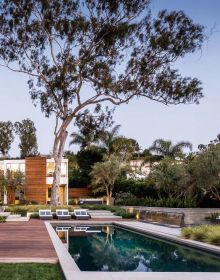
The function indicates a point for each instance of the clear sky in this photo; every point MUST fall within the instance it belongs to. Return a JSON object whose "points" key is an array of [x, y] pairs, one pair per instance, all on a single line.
{"points": [[142, 119]]}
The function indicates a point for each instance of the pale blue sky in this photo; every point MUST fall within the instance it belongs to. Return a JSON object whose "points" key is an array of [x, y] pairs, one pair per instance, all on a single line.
{"points": [[143, 120]]}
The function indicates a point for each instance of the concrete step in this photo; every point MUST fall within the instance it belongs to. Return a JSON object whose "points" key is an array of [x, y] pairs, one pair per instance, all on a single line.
{"points": [[106, 217], [17, 218], [5, 214], [14, 216]]}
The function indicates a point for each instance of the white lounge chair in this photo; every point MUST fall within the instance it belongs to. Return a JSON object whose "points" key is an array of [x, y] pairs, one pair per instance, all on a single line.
{"points": [[45, 214], [63, 214], [81, 214]]}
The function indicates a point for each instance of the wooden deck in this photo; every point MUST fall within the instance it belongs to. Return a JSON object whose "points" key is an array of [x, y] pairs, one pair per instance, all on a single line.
{"points": [[26, 242]]}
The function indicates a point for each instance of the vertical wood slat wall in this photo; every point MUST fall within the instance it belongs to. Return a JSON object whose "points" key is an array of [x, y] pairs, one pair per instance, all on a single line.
{"points": [[35, 169]]}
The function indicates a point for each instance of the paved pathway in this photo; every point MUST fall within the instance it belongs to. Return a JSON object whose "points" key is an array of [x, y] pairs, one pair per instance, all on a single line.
{"points": [[26, 242], [171, 231]]}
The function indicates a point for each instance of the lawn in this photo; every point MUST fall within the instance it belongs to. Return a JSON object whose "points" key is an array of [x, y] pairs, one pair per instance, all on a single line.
{"points": [[205, 233], [30, 271]]}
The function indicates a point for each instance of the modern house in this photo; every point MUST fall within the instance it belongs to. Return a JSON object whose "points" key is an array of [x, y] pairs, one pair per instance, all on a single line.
{"points": [[38, 179]]}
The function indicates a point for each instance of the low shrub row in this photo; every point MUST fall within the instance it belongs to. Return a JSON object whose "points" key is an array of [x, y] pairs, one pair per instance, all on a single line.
{"points": [[22, 210], [131, 200], [205, 233]]}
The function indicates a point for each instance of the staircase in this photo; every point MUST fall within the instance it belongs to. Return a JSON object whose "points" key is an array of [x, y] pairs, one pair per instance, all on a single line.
{"points": [[103, 214]]}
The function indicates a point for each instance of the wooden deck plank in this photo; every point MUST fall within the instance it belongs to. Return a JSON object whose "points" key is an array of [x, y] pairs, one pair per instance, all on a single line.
{"points": [[26, 240]]}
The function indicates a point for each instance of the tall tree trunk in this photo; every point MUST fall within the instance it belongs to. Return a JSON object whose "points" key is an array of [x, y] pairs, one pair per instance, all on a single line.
{"points": [[58, 150]]}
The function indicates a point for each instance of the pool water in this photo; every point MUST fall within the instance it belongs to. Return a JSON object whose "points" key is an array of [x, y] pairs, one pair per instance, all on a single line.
{"points": [[108, 248]]}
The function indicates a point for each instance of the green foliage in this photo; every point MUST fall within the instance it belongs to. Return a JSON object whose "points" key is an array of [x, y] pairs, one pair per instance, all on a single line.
{"points": [[23, 209], [12, 180], [128, 199], [72, 201], [204, 170], [3, 219], [139, 188], [35, 216], [28, 140], [165, 148], [205, 233], [31, 271], [104, 174], [80, 177], [6, 137], [64, 48], [171, 177]]}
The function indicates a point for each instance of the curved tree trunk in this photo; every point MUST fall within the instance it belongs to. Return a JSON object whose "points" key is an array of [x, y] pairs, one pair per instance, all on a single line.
{"points": [[58, 150]]}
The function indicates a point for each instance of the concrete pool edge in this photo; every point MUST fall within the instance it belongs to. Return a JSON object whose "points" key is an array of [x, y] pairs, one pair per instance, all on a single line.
{"points": [[72, 272]]}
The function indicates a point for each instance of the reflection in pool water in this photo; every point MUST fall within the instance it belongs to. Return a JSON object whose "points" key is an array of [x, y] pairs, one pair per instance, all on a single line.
{"points": [[109, 248]]}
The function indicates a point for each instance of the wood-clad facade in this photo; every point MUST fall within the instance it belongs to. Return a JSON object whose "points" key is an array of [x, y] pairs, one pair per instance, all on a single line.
{"points": [[38, 180], [35, 173]]}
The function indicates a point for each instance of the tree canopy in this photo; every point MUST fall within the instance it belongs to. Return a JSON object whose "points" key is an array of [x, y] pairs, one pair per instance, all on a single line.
{"points": [[80, 54], [28, 138], [165, 148], [6, 137]]}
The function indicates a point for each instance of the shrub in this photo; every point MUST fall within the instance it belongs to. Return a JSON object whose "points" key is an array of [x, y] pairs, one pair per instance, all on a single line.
{"points": [[72, 201], [34, 216], [205, 233], [34, 202], [3, 219], [23, 209], [131, 200]]}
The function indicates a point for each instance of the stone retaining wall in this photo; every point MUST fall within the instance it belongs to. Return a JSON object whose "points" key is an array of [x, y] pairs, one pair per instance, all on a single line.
{"points": [[191, 215]]}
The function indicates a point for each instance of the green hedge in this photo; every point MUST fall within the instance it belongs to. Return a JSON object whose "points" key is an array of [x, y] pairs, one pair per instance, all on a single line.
{"points": [[130, 200], [138, 188]]}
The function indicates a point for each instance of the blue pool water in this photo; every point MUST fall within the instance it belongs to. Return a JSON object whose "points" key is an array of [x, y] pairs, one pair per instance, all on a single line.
{"points": [[108, 248]]}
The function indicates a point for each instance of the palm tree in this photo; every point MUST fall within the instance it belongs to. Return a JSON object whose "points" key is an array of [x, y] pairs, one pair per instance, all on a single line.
{"points": [[166, 148], [107, 139], [84, 140]]}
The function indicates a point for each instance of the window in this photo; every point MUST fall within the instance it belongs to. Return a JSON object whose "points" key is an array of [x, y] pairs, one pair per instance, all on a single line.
{"points": [[13, 166], [50, 169], [16, 167], [63, 169]]}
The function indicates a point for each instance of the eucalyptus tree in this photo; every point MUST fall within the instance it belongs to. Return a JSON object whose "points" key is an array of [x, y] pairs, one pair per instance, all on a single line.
{"points": [[81, 54], [165, 148], [6, 137], [28, 139]]}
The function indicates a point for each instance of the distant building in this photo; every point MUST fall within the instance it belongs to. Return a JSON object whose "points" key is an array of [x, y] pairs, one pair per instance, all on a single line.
{"points": [[38, 179], [140, 169]]}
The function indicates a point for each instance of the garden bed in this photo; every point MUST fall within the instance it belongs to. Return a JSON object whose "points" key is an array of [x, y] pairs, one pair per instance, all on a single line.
{"points": [[204, 233]]}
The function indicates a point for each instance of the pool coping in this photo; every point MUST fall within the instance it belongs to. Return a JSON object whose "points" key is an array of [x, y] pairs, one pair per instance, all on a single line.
{"points": [[72, 271]]}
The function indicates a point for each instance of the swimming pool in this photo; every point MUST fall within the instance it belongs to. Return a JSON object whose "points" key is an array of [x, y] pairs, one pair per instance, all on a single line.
{"points": [[110, 248]]}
